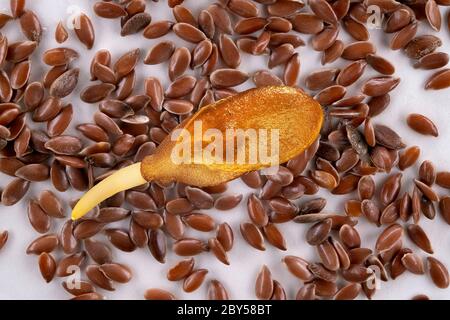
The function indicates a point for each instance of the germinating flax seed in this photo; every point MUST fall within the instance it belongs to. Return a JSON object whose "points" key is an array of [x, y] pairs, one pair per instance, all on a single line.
{"points": [[205, 65]]}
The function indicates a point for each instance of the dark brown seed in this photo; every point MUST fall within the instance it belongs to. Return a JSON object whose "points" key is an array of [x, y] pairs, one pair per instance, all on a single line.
{"points": [[389, 237], [46, 243], [385, 136], [356, 273], [14, 191], [225, 236], [20, 51], [68, 242], [413, 263], [323, 10], [330, 95], [58, 176], [109, 10], [199, 221], [98, 251], [206, 23], [321, 79], [356, 29], [216, 291], [97, 92], [419, 237], [126, 63], [33, 172], [319, 232], [438, 273], [227, 202], [434, 60], [189, 247], [157, 29], [229, 51], [17, 8], [87, 229], [48, 110], [223, 78], [47, 266], [120, 239], [366, 188], [135, 24], [252, 235], [10, 165], [379, 86], [421, 46], [264, 284], [67, 265], [439, 80], [38, 219], [182, 14], [265, 78], [358, 50], [66, 145], [65, 84], [325, 39], [380, 64], [116, 272], [402, 37]]}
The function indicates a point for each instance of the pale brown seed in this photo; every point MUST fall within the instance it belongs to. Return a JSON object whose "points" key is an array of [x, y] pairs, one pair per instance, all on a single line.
{"points": [[380, 64], [229, 51], [353, 208], [298, 267], [33, 95], [206, 23], [46, 243], [216, 291], [59, 124], [179, 62], [109, 10], [379, 86], [221, 18], [426, 190], [422, 45], [126, 63], [324, 179], [330, 95], [252, 235], [37, 217], [422, 124], [183, 14], [408, 157], [59, 56], [189, 247], [188, 32], [397, 20], [265, 78], [389, 237], [225, 236], [413, 263], [47, 266], [328, 255], [66, 145], [180, 270], [117, 272], [434, 60], [264, 284], [427, 173], [135, 24], [51, 204], [157, 29], [332, 53], [356, 29], [120, 239], [387, 137], [438, 273], [439, 80], [402, 37], [84, 30], [370, 210], [158, 294], [33, 172]]}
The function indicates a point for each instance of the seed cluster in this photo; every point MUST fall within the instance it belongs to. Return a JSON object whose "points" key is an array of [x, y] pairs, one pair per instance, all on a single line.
{"points": [[129, 126]]}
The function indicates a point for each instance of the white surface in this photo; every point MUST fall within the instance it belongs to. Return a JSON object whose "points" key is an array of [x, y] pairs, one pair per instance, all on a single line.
{"points": [[19, 274]]}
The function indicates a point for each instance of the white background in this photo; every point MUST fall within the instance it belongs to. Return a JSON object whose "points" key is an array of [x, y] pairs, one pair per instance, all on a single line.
{"points": [[19, 274]]}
